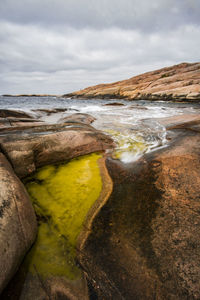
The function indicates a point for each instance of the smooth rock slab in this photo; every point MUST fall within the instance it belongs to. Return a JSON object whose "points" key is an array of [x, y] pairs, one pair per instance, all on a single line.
{"points": [[145, 241], [17, 222]]}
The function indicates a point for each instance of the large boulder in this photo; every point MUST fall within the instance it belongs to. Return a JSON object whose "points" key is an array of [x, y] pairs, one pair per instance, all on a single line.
{"points": [[145, 242], [17, 222], [48, 144]]}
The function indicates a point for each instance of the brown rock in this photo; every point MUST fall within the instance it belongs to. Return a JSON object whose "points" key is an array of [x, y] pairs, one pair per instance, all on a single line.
{"points": [[178, 83], [49, 144], [78, 118], [114, 104], [145, 242], [50, 111], [189, 121], [17, 222], [28, 287], [10, 124], [5, 113]]}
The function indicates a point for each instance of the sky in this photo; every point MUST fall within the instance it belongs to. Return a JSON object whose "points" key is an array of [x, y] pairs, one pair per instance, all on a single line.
{"points": [[60, 46]]}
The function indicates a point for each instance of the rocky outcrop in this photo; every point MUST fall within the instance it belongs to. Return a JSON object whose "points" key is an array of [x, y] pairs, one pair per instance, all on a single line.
{"points": [[177, 83], [145, 243], [78, 117], [13, 119], [48, 144], [5, 113], [17, 222], [48, 112]]}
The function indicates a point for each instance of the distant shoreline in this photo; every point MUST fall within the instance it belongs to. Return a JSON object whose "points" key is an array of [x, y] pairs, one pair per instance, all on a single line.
{"points": [[31, 95], [179, 83]]}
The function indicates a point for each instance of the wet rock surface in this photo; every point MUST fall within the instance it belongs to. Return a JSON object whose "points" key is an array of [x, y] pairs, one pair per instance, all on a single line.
{"points": [[145, 241], [17, 222]]}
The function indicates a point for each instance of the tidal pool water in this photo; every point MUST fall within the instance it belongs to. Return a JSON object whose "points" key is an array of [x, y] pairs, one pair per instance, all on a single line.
{"points": [[62, 196]]}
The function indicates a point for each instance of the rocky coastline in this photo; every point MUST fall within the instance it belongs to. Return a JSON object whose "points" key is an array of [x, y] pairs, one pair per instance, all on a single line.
{"points": [[140, 239], [177, 83]]}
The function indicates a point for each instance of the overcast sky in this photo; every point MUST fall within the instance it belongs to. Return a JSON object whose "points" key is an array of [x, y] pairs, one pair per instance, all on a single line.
{"points": [[58, 46]]}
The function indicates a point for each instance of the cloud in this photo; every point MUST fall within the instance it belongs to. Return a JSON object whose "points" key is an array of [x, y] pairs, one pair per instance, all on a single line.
{"points": [[58, 46], [36, 59], [127, 14]]}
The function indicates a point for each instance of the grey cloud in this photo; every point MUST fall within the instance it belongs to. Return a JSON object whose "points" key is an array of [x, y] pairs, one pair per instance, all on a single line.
{"points": [[57, 46], [36, 59], [145, 15]]}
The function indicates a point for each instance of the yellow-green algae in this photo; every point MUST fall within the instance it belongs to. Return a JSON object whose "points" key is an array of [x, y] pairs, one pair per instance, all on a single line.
{"points": [[62, 196], [133, 145]]}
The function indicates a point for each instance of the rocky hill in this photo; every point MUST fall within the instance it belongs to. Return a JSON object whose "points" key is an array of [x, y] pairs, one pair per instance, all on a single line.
{"points": [[177, 83]]}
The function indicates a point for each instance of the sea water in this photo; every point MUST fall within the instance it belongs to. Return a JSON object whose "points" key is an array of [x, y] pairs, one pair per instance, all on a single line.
{"points": [[132, 124]]}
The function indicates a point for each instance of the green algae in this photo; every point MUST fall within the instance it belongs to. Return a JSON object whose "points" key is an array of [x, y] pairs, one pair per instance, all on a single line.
{"points": [[62, 196]]}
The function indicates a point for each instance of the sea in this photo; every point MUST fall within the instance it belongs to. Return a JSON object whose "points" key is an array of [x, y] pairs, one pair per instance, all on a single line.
{"points": [[132, 124]]}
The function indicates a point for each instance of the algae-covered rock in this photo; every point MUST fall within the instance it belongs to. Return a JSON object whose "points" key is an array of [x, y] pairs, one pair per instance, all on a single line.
{"points": [[65, 198], [17, 222], [145, 241]]}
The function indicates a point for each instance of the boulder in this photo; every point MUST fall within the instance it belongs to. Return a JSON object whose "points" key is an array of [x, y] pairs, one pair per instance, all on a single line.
{"points": [[5, 113], [48, 144], [50, 111], [17, 222], [78, 118], [145, 242], [189, 121]]}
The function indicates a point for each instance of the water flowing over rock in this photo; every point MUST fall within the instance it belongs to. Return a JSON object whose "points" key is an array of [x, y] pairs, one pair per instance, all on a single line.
{"points": [[17, 222], [178, 83]]}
